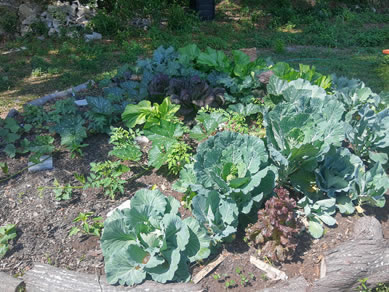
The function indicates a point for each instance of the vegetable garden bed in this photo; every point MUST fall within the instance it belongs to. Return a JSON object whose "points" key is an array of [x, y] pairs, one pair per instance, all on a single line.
{"points": [[232, 138]]}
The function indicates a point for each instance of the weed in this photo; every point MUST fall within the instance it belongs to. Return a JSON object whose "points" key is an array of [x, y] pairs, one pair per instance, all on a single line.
{"points": [[279, 46], [7, 233], [93, 228], [107, 175], [178, 157]]}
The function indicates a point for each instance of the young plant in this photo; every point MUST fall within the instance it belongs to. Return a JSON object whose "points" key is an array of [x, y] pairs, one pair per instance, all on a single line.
{"points": [[108, 176], [62, 193], [178, 157], [89, 225], [7, 233], [276, 229], [125, 147], [150, 115]]}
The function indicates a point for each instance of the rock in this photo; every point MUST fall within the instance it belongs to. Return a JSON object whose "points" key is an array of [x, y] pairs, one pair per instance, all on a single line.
{"points": [[125, 205], [46, 164], [26, 11], [142, 141], [12, 113], [52, 31], [93, 36], [81, 102], [30, 20], [56, 24]]}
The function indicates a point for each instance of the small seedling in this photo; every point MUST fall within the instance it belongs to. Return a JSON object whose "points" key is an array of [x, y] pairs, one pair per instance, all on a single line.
{"points": [[216, 276], [86, 228], [230, 284], [7, 233]]}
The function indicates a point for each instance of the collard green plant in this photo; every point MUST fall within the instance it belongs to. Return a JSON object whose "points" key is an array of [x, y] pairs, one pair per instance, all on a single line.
{"points": [[150, 115], [276, 230], [7, 233], [151, 240], [107, 175]]}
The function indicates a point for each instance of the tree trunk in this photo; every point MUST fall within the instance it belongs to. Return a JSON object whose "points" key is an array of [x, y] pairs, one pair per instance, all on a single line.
{"points": [[43, 278], [365, 256]]}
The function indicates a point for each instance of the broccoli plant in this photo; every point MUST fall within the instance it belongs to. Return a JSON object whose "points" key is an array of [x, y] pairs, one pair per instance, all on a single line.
{"points": [[276, 229]]}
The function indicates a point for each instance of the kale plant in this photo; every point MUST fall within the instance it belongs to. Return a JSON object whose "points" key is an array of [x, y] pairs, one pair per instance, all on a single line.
{"points": [[277, 228]]}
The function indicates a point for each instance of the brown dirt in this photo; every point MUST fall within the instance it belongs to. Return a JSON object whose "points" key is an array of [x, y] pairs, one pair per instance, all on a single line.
{"points": [[43, 224]]}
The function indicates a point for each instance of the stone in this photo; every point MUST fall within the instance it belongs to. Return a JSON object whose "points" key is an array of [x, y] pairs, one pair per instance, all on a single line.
{"points": [[93, 36], [26, 11], [52, 31], [46, 164], [125, 205], [56, 24], [81, 102], [30, 20], [142, 141]]}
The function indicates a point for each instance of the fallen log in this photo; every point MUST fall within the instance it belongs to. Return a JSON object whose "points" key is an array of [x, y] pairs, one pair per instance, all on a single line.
{"points": [[10, 284], [365, 256], [43, 278]]}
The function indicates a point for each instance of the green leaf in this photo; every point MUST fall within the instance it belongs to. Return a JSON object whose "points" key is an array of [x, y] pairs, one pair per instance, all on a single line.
{"points": [[10, 150], [124, 267], [315, 228], [128, 152]]}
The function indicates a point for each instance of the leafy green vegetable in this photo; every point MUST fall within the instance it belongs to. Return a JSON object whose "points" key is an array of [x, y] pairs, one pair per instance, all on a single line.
{"points": [[7, 233], [207, 124], [150, 115], [150, 239], [236, 166]]}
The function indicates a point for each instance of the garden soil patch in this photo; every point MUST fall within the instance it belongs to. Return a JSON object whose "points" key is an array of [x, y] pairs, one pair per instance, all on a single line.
{"points": [[43, 224]]}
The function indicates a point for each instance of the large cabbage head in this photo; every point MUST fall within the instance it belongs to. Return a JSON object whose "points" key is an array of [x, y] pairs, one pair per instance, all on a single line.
{"points": [[236, 166]]}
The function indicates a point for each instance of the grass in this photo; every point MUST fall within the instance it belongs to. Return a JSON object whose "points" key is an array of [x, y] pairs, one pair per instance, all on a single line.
{"points": [[348, 44]]}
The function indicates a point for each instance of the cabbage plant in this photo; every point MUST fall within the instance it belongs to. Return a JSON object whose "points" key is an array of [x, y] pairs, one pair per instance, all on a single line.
{"points": [[236, 166], [150, 240]]}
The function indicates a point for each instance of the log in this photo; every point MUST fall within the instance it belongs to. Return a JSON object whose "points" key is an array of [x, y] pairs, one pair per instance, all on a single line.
{"points": [[41, 101], [43, 278], [365, 256], [293, 285], [10, 284]]}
